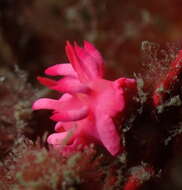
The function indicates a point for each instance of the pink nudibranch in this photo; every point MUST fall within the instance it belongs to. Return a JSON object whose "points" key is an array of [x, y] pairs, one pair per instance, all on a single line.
{"points": [[85, 112]]}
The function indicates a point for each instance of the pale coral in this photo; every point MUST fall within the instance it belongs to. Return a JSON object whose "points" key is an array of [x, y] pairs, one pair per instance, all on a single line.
{"points": [[85, 112], [165, 86]]}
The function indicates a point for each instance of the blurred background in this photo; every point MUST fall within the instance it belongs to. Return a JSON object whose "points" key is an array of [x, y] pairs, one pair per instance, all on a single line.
{"points": [[33, 33]]}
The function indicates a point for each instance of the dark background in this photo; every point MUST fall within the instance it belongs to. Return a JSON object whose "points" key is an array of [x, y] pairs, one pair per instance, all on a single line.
{"points": [[33, 33]]}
